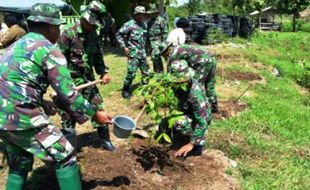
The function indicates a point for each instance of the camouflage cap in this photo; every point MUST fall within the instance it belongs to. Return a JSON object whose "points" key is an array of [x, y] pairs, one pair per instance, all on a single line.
{"points": [[93, 12], [96, 6], [164, 46], [152, 9], [45, 12], [91, 17], [139, 10]]}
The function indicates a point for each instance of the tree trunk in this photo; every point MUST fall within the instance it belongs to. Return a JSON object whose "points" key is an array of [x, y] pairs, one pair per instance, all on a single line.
{"points": [[294, 22], [161, 7], [260, 20]]}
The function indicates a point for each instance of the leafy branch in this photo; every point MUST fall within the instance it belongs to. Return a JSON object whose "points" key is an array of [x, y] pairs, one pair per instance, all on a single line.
{"points": [[161, 100]]}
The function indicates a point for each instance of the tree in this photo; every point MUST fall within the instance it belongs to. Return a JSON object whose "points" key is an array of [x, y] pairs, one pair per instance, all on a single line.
{"points": [[193, 6], [292, 7]]}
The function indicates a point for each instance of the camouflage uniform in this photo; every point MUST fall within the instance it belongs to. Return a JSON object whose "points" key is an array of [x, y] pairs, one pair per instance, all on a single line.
{"points": [[27, 68], [133, 36], [194, 104], [157, 34], [202, 62], [83, 52]]}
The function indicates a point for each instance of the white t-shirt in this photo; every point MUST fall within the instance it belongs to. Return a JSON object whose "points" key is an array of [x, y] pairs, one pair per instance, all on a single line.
{"points": [[177, 36]]}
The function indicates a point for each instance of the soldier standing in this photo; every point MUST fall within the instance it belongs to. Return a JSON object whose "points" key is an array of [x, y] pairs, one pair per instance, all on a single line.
{"points": [[132, 38], [157, 28], [27, 68], [200, 60], [82, 47]]}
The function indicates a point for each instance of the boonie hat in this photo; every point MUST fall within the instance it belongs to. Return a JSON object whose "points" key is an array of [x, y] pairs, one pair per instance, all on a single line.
{"points": [[45, 12], [139, 10]]}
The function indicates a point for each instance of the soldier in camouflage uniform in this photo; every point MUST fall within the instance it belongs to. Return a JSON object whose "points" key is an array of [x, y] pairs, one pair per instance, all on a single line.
{"points": [[200, 60], [27, 68], [196, 109], [157, 29], [132, 38], [81, 46]]}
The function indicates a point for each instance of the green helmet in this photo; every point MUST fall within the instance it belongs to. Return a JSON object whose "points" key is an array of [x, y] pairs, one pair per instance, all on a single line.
{"points": [[45, 12]]}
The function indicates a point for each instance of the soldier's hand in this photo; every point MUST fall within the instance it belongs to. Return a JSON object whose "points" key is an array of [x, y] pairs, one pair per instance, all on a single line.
{"points": [[126, 50], [184, 150], [103, 117], [105, 78]]}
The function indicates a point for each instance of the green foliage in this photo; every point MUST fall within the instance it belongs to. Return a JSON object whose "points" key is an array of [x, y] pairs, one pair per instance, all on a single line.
{"points": [[305, 27], [286, 27], [160, 97]]}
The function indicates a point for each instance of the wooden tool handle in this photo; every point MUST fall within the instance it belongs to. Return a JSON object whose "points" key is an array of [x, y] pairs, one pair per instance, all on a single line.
{"points": [[80, 87], [139, 116]]}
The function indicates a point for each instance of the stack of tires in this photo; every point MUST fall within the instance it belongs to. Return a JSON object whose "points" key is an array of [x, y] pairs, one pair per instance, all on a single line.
{"points": [[210, 29], [246, 29]]}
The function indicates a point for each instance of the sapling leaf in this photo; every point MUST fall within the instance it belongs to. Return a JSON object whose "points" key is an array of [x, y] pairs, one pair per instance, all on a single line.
{"points": [[167, 138], [159, 137]]}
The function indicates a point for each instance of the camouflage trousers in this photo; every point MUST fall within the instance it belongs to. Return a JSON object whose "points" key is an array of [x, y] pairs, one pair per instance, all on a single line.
{"points": [[46, 143], [133, 64], [91, 94], [206, 76], [156, 56]]}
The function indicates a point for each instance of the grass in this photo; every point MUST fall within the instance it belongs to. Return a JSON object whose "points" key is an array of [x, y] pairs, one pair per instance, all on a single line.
{"points": [[275, 149]]}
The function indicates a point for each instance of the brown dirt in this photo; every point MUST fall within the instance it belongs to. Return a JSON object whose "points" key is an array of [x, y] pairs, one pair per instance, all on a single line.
{"points": [[240, 76], [139, 166], [229, 108]]}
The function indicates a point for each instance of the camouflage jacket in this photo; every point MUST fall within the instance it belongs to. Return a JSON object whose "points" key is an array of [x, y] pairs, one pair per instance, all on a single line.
{"points": [[133, 36], [194, 103], [157, 29], [195, 56], [83, 52], [27, 68]]}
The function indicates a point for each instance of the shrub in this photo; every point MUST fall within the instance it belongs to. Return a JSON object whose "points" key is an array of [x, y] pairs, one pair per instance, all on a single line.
{"points": [[286, 27], [305, 27], [303, 79]]}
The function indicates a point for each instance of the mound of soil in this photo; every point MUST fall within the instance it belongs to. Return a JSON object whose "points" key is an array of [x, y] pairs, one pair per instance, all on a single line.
{"points": [[151, 167], [240, 76], [229, 108]]}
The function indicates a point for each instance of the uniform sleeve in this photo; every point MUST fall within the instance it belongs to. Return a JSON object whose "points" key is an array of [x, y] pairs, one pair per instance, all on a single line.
{"points": [[97, 58], [164, 29], [61, 81], [181, 69], [64, 43], [121, 35], [198, 103]]}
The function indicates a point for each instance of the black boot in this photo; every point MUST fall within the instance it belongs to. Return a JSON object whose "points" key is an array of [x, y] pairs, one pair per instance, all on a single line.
{"points": [[126, 92], [104, 135], [214, 106]]}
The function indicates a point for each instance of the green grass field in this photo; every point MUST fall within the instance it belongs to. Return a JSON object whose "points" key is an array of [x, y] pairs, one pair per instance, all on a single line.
{"points": [[272, 147]]}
